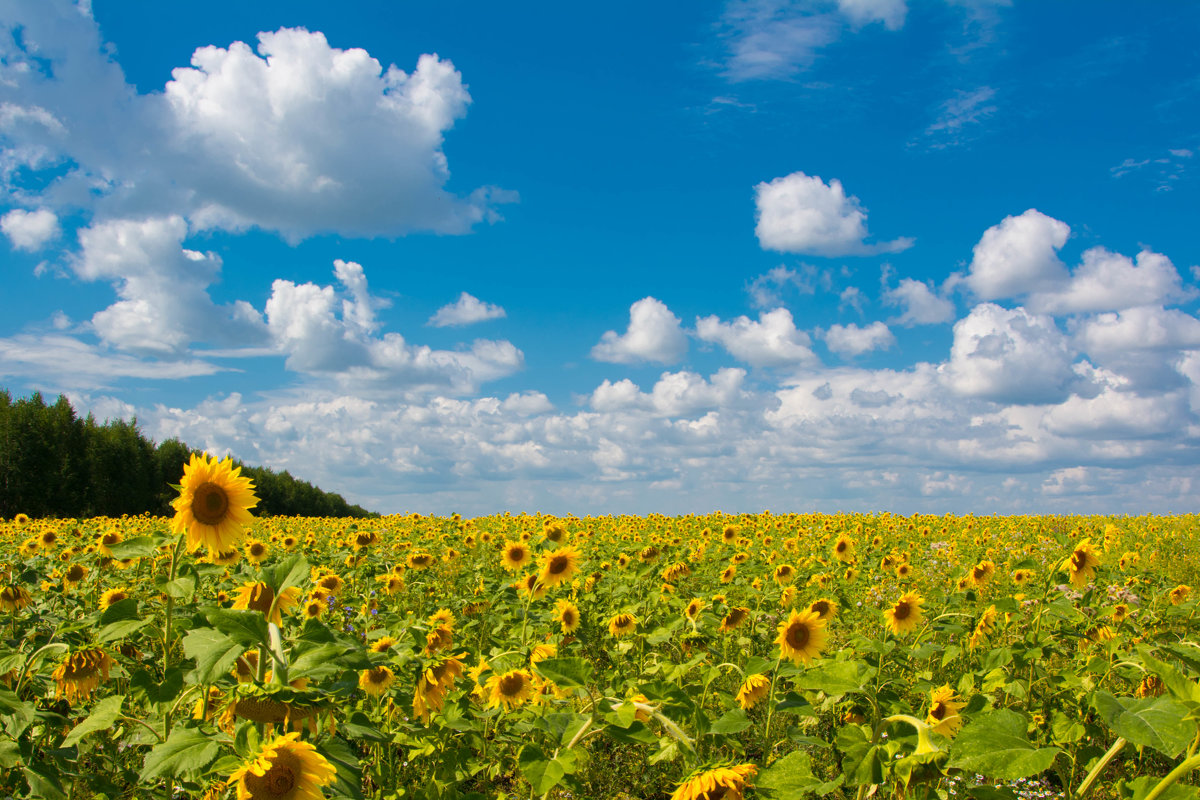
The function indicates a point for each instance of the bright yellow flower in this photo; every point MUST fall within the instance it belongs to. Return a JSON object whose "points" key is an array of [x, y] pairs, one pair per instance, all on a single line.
{"points": [[214, 504], [753, 691], [284, 769], [718, 783], [801, 636], [906, 614], [261, 597], [944, 706], [512, 689], [1081, 564]]}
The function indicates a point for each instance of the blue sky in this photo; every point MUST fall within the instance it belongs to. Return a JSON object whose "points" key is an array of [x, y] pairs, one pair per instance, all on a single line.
{"points": [[846, 254]]}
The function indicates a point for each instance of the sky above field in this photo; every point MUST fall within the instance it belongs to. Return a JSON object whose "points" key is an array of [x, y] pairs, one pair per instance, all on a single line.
{"points": [[857, 254]]}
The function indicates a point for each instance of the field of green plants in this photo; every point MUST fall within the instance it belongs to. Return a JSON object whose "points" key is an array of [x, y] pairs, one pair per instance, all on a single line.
{"points": [[219, 655]]}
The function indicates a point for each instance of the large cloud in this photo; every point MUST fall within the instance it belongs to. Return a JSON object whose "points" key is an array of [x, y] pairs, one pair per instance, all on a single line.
{"points": [[299, 137], [800, 213], [1018, 256]]}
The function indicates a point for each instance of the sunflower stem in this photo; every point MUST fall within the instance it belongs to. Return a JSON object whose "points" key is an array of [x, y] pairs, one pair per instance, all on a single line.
{"points": [[167, 626], [770, 709]]}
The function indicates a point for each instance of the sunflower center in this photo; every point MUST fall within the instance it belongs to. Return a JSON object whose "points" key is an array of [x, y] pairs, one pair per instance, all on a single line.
{"points": [[279, 781], [938, 711], [798, 636], [517, 554], [568, 617], [75, 573], [209, 503], [558, 565], [261, 598], [1079, 559], [511, 685], [257, 549], [821, 607], [902, 610]]}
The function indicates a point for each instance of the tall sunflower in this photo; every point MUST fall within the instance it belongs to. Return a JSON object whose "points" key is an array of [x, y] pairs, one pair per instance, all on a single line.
{"points": [[1082, 563], [214, 503], [434, 683], [375, 681], [622, 625], [566, 614], [261, 597], [284, 768], [515, 556], [801, 636], [717, 783], [906, 614], [736, 616]]}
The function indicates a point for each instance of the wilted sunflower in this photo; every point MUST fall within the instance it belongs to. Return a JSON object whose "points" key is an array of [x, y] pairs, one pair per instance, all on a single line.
{"points": [[801, 636], [375, 681], [906, 614], [717, 783], [214, 503], [567, 615], [983, 628], [753, 691], [512, 689], [420, 560], [1081, 564], [261, 597], [285, 768], [734, 618], [13, 598], [81, 672], [434, 683], [944, 706], [622, 625], [515, 556], [223, 558]]}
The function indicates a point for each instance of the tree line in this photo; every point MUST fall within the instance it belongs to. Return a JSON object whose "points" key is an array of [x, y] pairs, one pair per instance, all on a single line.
{"points": [[55, 464]]}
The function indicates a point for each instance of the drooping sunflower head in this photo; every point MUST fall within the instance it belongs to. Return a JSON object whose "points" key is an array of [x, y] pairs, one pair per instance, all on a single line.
{"points": [[802, 636], [736, 616], [13, 598], [375, 681], [622, 625], [284, 768], [694, 608], [1178, 595], [261, 597], [420, 560], [716, 783], [81, 672], [753, 690]]}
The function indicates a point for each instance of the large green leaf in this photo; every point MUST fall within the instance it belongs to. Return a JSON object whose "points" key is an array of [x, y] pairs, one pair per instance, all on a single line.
{"points": [[248, 627], [137, 547], [290, 572], [791, 776], [995, 745], [103, 716], [734, 721], [837, 677], [120, 629], [1156, 722], [542, 773], [215, 654], [569, 673], [186, 751]]}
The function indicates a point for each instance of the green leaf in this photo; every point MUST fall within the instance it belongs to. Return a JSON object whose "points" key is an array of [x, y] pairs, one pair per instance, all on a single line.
{"points": [[120, 610], [137, 547], [359, 726], [214, 652], [543, 774], [349, 772], [154, 689], [837, 678], [290, 572], [569, 673], [182, 588], [734, 721], [120, 629], [248, 627], [43, 784], [791, 776], [103, 716], [186, 751], [1156, 722], [995, 745], [637, 733], [10, 754], [1144, 785]]}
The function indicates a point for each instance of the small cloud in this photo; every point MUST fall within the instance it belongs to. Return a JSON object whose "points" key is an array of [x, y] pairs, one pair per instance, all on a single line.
{"points": [[851, 340], [921, 306], [766, 290], [960, 113], [654, 334], [29, 230], [466, 311], [799, 213]]}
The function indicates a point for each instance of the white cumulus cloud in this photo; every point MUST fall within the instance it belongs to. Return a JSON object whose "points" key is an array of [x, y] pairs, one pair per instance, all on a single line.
{"points": [[771, 341], [1108, 281], [29, 230], [852, 340], [467, 310], [654, 334], [799, 213], [1017, 256], [921, 305]]}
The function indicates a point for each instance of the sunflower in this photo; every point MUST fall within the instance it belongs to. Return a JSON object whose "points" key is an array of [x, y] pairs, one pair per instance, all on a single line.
{"points": [[1020, 577], [906, 614], [420, 560], [981, 573], [512, 689], [13, 598], [566, 614], [223, 558], [313, 608], [1177, 596], [284, 768], [81, 672], [530, 585], [824, 608], [734, 618], [622, 625], [438, 639], [256, 551], [983, 628], [694, 608], [261, 597], [290, 542], [435, 682], [727, 575], [753, 691], [843, 549], [107, 540], [784, 574], [944, 706], [74, 576], [330, 583], [383, 644], [515, 556], [113, 596], [375, 681], [1082, 563], [558, 566], [801, 636], [214, 503], [718, 783]]}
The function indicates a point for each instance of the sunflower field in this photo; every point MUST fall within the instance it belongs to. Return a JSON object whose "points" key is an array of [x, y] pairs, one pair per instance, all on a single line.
{"points": [[217, 655]]}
